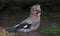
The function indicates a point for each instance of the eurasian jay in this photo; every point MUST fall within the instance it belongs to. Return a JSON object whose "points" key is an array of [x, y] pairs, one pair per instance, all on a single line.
{"points": [[29, 24]]}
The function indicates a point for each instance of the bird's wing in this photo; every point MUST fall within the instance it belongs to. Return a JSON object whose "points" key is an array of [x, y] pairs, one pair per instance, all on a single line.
{"points": [[25, 21], [16, 25], [25, 26]]}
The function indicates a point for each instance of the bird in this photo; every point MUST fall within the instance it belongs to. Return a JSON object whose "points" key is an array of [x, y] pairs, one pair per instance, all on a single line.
{"points": [[29, 24]]}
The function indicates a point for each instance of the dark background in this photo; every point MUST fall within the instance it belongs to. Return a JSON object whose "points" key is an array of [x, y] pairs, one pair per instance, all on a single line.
{"points": [[13, 12]]}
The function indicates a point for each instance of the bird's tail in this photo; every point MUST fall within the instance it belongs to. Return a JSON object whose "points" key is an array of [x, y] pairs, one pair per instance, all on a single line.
{"points": [[11, 29]]}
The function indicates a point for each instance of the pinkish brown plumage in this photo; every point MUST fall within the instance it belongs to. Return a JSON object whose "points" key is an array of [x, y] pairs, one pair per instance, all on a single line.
{"points": [[34, 18]]}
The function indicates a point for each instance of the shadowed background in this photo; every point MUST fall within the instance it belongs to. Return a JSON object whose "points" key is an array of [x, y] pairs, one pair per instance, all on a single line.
{"points": [[12, 12]]}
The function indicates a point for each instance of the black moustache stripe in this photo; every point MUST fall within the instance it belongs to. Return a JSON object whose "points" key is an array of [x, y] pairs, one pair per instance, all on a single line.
{"points": [[38, 12]]}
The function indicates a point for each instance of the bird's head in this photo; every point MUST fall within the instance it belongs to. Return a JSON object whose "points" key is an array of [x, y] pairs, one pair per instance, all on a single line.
{"points": [[35, 10]]}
